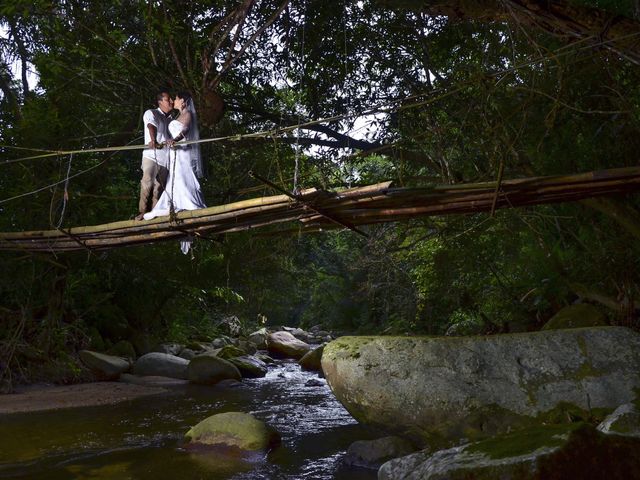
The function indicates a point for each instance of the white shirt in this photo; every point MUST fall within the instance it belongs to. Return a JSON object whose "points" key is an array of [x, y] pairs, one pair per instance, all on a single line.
{"points": [[158, 119]]}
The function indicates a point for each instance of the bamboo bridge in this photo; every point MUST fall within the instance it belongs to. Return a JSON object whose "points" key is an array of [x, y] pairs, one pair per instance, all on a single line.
{"points": [[314, 209]]}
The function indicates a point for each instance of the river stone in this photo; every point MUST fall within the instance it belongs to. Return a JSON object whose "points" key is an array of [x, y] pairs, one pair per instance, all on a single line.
{"points": [[373, 453], [106, 367], [188, 354], [577, 316], [209, 369], [230, 351], [625, 420], [311, 360], [233, 429], [285, 344], [250, 366], [259, 338], [550, 452], [162, 364], [457, 387], [170, 348]]}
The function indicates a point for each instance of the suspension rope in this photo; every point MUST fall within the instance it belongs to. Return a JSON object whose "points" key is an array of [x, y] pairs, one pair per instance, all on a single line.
{"points": [[296, 169]]}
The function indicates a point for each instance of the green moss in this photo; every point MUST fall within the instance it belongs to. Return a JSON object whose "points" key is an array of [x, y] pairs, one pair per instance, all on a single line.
{"points": [[524, 441]]}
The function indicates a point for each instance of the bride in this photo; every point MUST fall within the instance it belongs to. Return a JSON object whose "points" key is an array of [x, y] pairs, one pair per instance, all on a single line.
{"points": [[182, 191]]}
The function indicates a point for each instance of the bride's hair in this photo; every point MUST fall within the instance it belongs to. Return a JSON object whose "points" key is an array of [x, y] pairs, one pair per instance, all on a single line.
{"points": [[186, 96]]}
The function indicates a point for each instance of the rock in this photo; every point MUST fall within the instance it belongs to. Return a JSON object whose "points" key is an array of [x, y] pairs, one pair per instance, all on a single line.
{"points": [[196, 346], [188, 354], [218, 343], [373, 453], [170, 348], [247, 347], [458, 387], [314, 382], [209, 369], [259, 338], [106, 367], [551, 452], [265, 358], [576, 316], [153, 380], [123, 349], [625, 420], [250, 366], [311, 360], [286, 345], [230, 351], [95, 340], [163, 364], [233, 429], [299, 333]]}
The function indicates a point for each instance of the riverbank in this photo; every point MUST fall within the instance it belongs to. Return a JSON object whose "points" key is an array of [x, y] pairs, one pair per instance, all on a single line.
{"points": [[42, 397]]}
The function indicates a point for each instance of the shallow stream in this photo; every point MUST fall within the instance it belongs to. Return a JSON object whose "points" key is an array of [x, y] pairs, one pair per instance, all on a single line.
{"points": [[141, 439]]}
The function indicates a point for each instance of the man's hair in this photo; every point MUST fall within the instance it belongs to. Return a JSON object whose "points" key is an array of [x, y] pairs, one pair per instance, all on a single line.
{"points": [[160, 94]]}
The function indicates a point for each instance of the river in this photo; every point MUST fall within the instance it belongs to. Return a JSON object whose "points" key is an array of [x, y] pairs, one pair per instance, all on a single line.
{"points": [[141, 439]]}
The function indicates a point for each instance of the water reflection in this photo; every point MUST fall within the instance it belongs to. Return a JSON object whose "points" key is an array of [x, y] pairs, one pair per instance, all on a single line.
{"points": [[141, 439]]}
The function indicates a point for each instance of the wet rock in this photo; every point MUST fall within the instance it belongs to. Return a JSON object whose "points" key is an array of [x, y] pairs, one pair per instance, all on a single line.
{"points": [[577, 316], [188, 354], [247, 347], [233, 429], [106, 367], [163, 364], [218, 343], [314, 382], [286, 345], [250, 366], [456, 387], [259, 338], [230, 351], [625, 420], [209, 369], [544, 453], [373, 453], [142, 343], [311, 360], [265, 358]]}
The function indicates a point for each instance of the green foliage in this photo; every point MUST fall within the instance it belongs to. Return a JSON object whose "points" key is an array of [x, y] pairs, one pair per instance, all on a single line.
{"points": [[469, 98]]}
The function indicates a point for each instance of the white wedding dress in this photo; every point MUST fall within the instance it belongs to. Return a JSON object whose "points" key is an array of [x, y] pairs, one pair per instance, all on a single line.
{"points": [[182, 188]]}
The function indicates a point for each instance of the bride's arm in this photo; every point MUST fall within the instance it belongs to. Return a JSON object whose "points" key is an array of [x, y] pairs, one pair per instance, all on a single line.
{"points": [[185, 119]]}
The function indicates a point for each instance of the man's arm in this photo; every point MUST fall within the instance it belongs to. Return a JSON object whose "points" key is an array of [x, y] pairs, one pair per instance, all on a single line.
{"points": [[153, 131]]}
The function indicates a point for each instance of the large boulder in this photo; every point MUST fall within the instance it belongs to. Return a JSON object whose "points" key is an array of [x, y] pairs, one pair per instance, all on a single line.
{"points": [[373, 453], [311, 360], [161, 364], [544, 453], [250, 366], [209, 369], [451, 388], [576, 316], [259, 338], [233, 429], [284, 344], [106, 367]]}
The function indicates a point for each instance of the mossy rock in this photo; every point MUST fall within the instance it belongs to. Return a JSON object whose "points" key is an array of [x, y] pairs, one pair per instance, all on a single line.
{"points": [[230, 351], [553, 452], [233, 429], [579, 315], [250, 366], [311, 360]]}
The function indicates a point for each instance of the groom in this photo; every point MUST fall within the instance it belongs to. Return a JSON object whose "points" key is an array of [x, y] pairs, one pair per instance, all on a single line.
{"points": [[155, 158]]}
